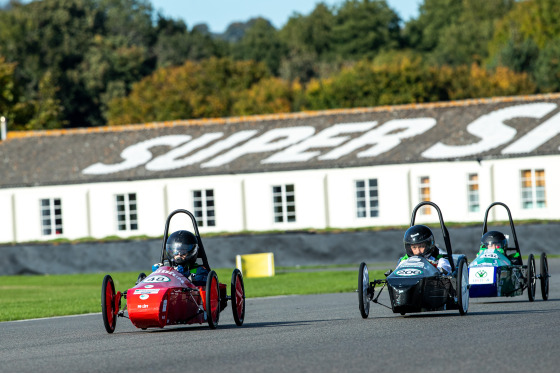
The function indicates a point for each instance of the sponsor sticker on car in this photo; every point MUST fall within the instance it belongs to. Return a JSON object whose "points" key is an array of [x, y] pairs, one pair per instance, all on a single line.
{"points": [[141, 291], [415, 264], [481, 275]]}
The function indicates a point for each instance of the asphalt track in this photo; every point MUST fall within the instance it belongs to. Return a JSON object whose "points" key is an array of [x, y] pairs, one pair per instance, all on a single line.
{"points": [[318, 333]]}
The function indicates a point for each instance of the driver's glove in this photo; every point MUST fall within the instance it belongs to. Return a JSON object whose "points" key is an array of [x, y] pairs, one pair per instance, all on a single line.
{"points": [[442, 270], [156, 266]]}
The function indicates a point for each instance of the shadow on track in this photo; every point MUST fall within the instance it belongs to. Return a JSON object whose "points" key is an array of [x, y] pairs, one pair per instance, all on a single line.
{"points": [[176, 328]]}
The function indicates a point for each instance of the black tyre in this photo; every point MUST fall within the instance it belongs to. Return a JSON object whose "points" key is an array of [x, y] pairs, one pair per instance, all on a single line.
{"points": [[212, 306], [363, 290], [108, 309], [463, 286], [544, 276], [141, 277], [237, 297], [531, 277]]}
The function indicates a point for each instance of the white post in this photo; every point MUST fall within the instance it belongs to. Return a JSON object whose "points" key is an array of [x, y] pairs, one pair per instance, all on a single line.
{"points": [[3, 128]]}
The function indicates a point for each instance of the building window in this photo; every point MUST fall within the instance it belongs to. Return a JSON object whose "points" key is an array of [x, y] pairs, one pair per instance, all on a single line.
{"points": [[204, 208], [367, 198], [425, 194], [472, 193], [127, 212], [533, 194], [51, 217], [284, 203]]}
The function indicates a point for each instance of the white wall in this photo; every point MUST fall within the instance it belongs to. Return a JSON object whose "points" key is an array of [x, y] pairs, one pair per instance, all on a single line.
{"points": [[227, 199], [6, 221], [309, 200], [507, 184], [324, 198], [28, 214]]}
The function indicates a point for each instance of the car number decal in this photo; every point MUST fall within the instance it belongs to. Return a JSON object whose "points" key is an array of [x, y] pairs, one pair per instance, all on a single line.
{"points": [[408, 272], [156, 279], [489, 255]]}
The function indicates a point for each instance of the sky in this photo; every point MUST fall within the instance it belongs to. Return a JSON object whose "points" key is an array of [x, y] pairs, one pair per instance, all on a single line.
{"points": [[219, 14]]}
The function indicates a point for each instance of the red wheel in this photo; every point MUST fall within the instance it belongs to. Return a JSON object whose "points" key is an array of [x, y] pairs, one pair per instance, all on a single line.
{"points": [[109, 305], [212, 300], [237, 297]]}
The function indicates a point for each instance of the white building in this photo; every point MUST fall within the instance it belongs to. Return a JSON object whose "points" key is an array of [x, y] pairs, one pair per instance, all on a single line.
{"points": [[311, 170]]}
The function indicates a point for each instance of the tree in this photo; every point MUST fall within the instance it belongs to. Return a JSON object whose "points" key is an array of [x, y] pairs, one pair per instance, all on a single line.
{"points": [[8, 96], [202, 89], [269, 95], [547, 67], [423, 33], [261, 43], [312, 34], [363, 28], [456, 32], [86, 46]]}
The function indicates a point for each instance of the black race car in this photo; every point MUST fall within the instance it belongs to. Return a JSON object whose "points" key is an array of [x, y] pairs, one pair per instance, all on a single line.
{"points": [[418, 286]]}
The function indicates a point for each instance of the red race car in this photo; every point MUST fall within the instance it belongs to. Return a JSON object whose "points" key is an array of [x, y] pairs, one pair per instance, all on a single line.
{"points": [[167, 297]]}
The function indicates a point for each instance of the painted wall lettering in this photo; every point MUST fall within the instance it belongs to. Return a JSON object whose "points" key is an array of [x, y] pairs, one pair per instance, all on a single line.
{"points": [[137, 154], [383, 138], [326, 138], [536, 137], [366, 139], [491, 130], [272, 140]]}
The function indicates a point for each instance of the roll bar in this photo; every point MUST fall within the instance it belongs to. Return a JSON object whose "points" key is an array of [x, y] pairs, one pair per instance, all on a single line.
{"points": [[446, 240], [201, 251]]}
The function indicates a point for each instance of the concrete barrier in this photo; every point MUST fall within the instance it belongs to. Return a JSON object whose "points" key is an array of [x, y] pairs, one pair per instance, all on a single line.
{"points": [[290, 249]]}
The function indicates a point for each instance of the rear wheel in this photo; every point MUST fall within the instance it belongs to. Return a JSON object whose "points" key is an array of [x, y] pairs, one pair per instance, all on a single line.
{"points": [[463, 286], [544, 276], [531, 277], [108, 309], [212, 300], [237, 297], [363, 287]]}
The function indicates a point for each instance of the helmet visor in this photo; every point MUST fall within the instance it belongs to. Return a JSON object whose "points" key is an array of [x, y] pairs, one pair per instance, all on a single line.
{"points": [[494, 244], [418, 249], [182, 254]]}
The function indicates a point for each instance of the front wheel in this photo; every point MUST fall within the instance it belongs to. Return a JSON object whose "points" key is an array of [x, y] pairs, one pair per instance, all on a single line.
{"points": [[212, 300], [544, 276], [108, 309], [237, 297], [463, 286], [363, 287], [531, 277]]}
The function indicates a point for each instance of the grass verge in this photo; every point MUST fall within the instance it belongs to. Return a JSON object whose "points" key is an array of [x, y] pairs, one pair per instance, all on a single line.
{"points": [[38, 296]]}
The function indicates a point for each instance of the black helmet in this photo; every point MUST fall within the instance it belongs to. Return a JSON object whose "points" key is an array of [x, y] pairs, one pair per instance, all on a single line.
{"points": [[494, 237], [182, 247], [419, 234]]}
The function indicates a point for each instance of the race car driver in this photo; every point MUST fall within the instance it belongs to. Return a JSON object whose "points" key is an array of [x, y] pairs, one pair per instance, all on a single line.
{"points": [[182, 252], [419, 241], [497, 241]]}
